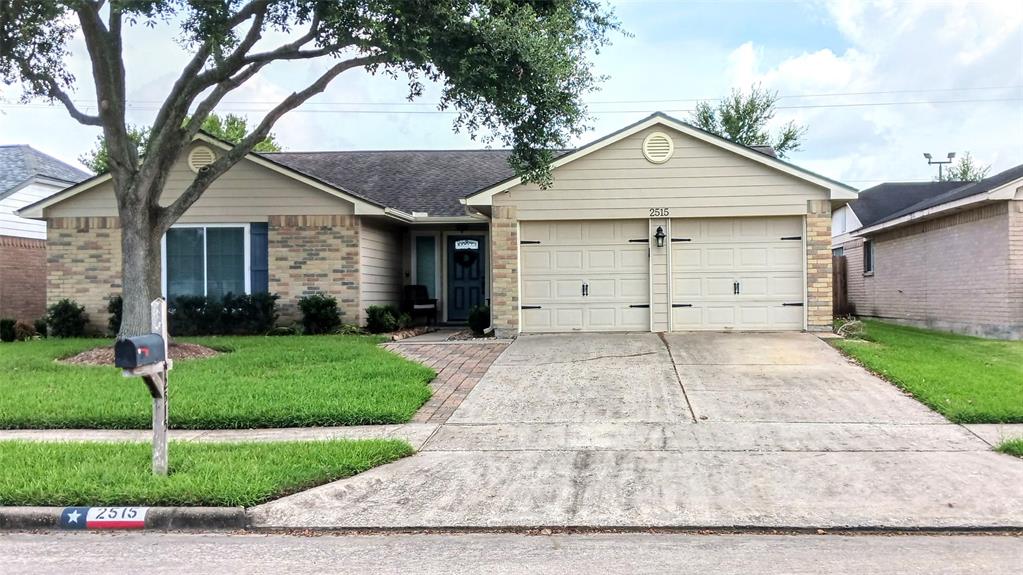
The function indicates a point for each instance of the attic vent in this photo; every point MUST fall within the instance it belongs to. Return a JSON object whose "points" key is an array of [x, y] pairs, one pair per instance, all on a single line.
{"points": [[200, 157], [658, 147]]}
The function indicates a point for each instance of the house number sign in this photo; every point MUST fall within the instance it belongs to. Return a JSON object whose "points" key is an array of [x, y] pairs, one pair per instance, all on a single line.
{"points": [[659, 212], [467, 245]]}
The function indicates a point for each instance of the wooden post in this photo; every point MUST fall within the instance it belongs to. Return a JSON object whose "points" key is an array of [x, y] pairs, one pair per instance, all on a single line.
{"points": [[157, 383]]}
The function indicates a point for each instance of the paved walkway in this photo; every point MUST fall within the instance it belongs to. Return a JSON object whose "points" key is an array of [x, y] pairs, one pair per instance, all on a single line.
{"points": [[765, 430]]}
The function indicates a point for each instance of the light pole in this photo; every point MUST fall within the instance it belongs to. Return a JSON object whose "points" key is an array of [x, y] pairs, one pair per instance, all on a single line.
{"points": [[939, 162]]}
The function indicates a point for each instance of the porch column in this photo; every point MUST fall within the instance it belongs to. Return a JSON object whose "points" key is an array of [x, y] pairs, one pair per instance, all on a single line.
{"points": [[818, 265], [504, 258]]}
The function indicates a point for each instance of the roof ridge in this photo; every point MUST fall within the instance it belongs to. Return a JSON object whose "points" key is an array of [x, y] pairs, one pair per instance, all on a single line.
{"points": [[418, 151]]}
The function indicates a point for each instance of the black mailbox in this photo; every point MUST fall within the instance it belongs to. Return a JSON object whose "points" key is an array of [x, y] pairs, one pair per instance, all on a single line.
{"points": [[139, 351]]}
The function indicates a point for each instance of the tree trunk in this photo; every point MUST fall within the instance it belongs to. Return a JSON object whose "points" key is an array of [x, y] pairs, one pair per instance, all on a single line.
{"points": [[140, 267]]}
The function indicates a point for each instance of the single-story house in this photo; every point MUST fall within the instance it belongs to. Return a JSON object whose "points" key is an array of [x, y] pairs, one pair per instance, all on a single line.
{"points": [[943, 255], [658, 226], [26, 176]]}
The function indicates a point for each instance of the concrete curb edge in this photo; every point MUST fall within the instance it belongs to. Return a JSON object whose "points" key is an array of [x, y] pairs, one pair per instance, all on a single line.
{"points": [[166, 518]]}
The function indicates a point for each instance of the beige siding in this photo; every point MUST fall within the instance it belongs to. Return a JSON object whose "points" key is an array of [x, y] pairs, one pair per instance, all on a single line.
{"points": [[246, 193], [700, 180], [950, 273], [380, 266], [660, 277]]}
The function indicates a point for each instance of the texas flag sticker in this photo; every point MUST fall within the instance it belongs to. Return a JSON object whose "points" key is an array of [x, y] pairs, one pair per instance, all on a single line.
{"points": [[103, 517]]}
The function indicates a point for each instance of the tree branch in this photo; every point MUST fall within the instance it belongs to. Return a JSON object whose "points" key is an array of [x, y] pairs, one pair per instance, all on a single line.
{"points": [[206, 177]]}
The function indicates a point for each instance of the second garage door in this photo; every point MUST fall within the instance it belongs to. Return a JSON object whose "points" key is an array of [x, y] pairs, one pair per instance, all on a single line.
{"points": [[585, 276], [737, 273]]}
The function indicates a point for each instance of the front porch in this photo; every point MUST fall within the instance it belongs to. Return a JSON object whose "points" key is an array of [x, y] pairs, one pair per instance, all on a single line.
{"points": [[452, 263]]}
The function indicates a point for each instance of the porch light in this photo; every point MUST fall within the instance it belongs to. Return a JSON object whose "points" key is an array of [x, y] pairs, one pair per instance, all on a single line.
{"points": [[659, 236]]}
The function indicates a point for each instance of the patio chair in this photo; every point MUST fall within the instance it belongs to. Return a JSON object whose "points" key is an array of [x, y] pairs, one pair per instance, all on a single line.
{"points": [[415, 300]]}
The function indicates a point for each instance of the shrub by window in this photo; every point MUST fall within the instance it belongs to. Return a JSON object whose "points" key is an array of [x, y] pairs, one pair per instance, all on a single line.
{"points": [[40, 325], [254, 314], [479, 319], [319, 314], [381, 318], [66, 319], [7, 330]]}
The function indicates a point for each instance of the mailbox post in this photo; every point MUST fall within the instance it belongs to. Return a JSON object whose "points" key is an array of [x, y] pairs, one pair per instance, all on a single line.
{"points": [[147, 356]]}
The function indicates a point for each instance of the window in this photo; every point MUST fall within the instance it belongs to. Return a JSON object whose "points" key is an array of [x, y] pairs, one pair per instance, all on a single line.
{"points": [[838, 252], [208, 261], [868, 257], [426, 263]]}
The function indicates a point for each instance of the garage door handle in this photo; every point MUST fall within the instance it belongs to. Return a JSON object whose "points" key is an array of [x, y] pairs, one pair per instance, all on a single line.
{"points": [[524, 242], [529, 307], [640, 241], [792, 238], [640, 305], [799, 304], [735, 288], [681, 305], [681, 239]]}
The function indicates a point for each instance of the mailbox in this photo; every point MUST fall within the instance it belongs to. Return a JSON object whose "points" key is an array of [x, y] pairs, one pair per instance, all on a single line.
{"points": [[139, 351]]}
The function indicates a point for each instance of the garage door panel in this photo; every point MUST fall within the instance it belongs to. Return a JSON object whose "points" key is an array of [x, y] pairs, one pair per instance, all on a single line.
{"points": [[537, 288], [569, 260], [634, 259], [537, 260], [790, 257]]}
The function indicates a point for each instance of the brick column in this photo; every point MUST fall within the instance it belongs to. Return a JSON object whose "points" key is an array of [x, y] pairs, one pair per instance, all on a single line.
{"points": [[504, 258], [818, 265], [1016, 269], [22, 278], [83, 263], [314, 254]]}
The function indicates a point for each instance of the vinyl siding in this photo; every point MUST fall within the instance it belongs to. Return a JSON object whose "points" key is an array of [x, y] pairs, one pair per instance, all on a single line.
{"points": [[952, 273], [246, 193], [12, 225], [700, 180], [380, 265]]}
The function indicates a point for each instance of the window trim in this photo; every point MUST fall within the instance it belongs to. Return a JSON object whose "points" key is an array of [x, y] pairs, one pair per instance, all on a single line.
{"points": [[247, 256], [866, 244]]}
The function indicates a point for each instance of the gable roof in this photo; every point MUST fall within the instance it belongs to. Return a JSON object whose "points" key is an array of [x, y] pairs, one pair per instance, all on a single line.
{"points": [[431, 181], [760, 154], [883, 200], [20, 163]]}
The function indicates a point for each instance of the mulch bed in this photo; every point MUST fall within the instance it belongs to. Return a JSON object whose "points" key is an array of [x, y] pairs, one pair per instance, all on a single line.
{"points": [[105, 355]]}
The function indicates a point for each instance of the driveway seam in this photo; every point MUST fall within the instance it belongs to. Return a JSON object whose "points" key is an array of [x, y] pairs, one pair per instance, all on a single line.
{"points": [[678, 376]]}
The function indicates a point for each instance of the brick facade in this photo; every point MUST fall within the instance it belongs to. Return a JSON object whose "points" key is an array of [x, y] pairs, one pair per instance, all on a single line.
{"points": [[504, 257], [956, 273], [314, 254], [818, 266], [83, 263], [22, 278]]}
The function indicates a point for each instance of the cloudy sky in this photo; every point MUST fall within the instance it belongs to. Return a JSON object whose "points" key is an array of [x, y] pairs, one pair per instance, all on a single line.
{"points": [[876, 83]]}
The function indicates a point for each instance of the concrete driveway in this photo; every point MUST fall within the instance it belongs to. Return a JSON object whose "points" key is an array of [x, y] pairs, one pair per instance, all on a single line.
{"points": [[679, 430]]}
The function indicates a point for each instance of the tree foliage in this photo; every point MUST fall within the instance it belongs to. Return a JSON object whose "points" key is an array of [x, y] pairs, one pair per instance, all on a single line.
{"points": [[965, 170], [230, 128], [744, 117], [513, 70]]}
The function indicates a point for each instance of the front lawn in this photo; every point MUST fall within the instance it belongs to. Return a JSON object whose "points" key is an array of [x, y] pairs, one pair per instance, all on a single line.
{"points": [[290, 381], [966, 379], [201, 474]]}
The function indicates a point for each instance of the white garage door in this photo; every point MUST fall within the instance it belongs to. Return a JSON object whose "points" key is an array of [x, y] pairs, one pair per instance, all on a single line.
{"points": [[737, 273], [585, 276]]}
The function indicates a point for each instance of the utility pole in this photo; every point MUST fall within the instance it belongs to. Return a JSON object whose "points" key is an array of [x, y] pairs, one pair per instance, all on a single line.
{"points": [[939, 162]]}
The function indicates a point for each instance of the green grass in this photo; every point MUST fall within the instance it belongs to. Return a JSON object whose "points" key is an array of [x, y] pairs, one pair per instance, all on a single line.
{"points": [[966, 379], [1012, 447], [214, 474], [263, 382]]}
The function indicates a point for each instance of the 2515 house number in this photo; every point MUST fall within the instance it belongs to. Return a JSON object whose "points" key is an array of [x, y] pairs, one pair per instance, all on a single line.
{"points": [[659, 212]]}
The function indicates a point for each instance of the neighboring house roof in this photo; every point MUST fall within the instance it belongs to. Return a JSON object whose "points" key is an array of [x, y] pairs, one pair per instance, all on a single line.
{"points": [[881, 201], [431, 181], [20, 163]]}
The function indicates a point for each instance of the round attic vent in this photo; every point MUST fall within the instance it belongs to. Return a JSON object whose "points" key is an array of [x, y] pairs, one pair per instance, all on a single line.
{"points": [[658, 147], [200, 157]]}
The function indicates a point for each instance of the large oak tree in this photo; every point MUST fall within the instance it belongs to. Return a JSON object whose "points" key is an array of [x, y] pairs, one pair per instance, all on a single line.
{"points": [[512, 69]]}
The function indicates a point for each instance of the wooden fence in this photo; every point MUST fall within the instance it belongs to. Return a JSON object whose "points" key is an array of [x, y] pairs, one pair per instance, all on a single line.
{"points": [[839, 286]]}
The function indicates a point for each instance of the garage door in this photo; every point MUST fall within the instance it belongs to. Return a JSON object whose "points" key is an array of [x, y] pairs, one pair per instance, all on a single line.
{"points": [[585, 276], [737, 273]]}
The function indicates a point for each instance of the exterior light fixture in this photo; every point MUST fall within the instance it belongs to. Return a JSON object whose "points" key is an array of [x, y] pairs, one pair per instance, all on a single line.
{"points": [[931, 161], [659, 236]]}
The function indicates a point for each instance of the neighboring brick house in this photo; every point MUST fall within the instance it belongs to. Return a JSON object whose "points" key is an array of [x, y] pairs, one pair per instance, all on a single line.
{"points": [[26, 176], [658, 226], [943, 255]]}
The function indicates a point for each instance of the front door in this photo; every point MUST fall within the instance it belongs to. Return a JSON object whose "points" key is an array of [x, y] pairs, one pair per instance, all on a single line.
{"points": [[467, 279]]}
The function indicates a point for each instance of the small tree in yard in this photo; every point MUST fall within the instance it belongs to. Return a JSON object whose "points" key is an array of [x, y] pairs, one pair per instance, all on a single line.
{"points": [[513, 69], [743, 118], [965, 170]]}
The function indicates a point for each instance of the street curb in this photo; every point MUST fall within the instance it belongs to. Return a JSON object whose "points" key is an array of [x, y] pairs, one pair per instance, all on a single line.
{"points": [[160, 518]]}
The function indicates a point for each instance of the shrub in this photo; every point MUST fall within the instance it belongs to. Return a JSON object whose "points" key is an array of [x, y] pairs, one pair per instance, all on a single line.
{"points": [[381, 318], [319, 314], [24, 331], [66, 319], [115, 306], [349, 329], [404, 321], [194, 315], [253, 314], [479, 319], [7, 330], [40, 325]]}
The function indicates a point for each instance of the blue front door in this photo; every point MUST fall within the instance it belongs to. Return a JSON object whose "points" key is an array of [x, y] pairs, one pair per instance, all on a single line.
{"points": [[467, 281]]}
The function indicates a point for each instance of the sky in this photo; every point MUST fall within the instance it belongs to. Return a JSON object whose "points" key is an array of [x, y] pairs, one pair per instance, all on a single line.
{"points": [[876, 84]]}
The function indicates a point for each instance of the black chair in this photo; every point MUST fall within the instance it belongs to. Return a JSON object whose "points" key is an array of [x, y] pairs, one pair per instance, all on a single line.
{"points": [[415, 300]]}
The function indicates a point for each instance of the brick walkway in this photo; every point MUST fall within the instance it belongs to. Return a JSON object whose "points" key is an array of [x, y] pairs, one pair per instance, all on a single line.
{"points": [[459, 368]]}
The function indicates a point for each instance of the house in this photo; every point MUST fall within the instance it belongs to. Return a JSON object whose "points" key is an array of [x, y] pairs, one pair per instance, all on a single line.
{"points": [[658, 226], [943, 255], [26, 176]]}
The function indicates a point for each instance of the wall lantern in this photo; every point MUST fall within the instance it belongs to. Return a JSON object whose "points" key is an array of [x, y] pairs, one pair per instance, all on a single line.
{"points": [[659, 236]]}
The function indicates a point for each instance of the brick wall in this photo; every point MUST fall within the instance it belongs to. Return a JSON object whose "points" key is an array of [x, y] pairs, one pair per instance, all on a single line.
{"points": [[22, 278], [83, 263], [1015, 300], [314, 254], [951, 273], [818, 265], [504, 257]]}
